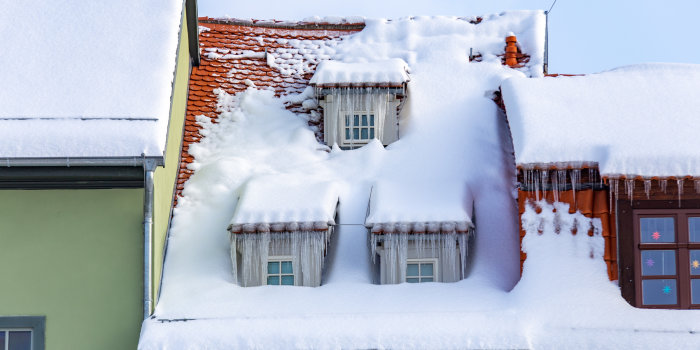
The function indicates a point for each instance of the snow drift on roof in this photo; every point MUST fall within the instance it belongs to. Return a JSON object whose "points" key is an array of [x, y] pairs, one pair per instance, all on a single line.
{"points": [[106, 59], [277, 198], [635, 120], [386, 72], [402, 201]]}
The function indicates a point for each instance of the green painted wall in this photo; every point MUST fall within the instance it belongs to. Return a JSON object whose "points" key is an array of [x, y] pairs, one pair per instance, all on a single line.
{"points": [[165, 177], [75, 256]]}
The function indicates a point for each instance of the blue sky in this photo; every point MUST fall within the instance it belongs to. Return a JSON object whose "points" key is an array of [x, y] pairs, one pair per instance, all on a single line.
{"points": [[584, 36]]}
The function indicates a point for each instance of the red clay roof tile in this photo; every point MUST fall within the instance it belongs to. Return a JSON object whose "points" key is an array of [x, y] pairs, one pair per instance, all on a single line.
{"points": [[237, 37]]}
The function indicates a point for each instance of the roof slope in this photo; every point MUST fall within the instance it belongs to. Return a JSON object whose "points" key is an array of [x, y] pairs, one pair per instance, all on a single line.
{"points": [[638, 120], [234, 58], [86, 80]]}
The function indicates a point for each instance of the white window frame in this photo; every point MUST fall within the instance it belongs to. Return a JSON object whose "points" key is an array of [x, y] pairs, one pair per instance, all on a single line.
{"points": [[420, 277], [280, 259], [343, 128]]}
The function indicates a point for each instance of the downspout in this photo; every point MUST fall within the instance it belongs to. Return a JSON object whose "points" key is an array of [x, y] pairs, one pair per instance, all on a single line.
{"points": [[149, 167], [546, 40]]}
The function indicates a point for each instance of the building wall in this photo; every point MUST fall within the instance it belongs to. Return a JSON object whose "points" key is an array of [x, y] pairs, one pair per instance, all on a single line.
{"points": [[165, 177], [76, 257]]}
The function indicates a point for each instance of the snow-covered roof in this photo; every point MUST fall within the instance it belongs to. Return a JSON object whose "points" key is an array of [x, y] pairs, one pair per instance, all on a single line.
{"points": [[439, 206], [86, 81], [451, 135], [639, 120], [391, 72], [284, 200]]}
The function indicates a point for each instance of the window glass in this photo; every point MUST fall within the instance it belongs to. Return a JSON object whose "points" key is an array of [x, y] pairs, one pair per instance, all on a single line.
{"points": [[694, 262], [371, 120], [347, 120], [412, 270], [364, 134], [273, 267], [364, 120], [412, 280], [371, 133], [347, 134], [287, 280], [658, 262], [426, 270], [657, 230], [355, 134], [287, 267], [273, 280], [427, 279], [356, 120], [659, 292], [20, 340], [2, 340], [695, 291], [694, 229]]}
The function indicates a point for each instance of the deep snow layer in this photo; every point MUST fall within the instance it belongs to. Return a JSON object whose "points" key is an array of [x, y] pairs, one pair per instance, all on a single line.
{"points": [[65, 62], [452, 133], [635, 120], [391, 71]]}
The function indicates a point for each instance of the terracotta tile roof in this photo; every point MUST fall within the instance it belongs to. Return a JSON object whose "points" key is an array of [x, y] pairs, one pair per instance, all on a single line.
{"points": [[235, 54]]}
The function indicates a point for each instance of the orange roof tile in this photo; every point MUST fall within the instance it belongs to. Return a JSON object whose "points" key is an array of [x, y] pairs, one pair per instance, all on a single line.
{"points": [[235, 37]]}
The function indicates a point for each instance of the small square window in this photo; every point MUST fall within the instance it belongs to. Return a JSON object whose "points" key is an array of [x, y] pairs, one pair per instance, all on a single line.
{"points": [[657, 230], [359, 128], [22, 332], [418, 271], [280, 271]]}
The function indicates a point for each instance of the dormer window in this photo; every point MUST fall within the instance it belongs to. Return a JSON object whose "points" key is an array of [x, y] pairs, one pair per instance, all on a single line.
{"points": [[360, 101]]}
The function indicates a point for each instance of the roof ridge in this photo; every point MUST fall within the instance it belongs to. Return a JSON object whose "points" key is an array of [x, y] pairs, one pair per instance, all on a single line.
{"points": [[284, 24]]}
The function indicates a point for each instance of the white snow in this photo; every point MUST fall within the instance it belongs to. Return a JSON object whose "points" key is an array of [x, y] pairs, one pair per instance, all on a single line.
{"points": [[452, 135], [278, 198], [635, 120], [390, 72], [65, 62], [396, 200]]}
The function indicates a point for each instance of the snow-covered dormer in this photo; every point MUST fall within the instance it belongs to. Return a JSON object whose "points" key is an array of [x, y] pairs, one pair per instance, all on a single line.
{"points": [[361, 101]]}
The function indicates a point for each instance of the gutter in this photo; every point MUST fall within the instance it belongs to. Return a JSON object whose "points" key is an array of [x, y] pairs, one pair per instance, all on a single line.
{"points": [[148, 164]]}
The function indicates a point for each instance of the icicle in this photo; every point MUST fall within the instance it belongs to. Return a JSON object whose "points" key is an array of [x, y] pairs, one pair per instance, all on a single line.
{"points": [[536, 178], [629, 188], [561, 175], [575, 181], [679, 183], [613, 191], [663, 183], [696, 182], [555, 186], [647, 187]]}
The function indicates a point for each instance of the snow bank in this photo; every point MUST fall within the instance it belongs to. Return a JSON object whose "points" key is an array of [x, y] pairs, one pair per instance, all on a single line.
{"points": [[69, 60], [274, 198], [386, 72], [636, 120]]}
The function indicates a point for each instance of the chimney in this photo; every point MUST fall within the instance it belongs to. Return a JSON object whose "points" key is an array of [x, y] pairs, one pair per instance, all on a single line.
{"points": [[511, 51]]}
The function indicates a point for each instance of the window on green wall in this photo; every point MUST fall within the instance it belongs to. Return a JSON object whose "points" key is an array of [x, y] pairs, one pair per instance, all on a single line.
{"points": [[22, 332]]}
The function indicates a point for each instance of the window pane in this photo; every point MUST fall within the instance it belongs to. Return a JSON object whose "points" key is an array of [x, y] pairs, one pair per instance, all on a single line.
{"points": [[371, 133], [364, 134], [694, 262], [694, 228], [429, 279], [273, 280], [20, 340], [371, 120], [287, 267], [347, 120], [273, 267], [287, 280], [695, 291], [657, 230], [412, 270], [658, 262], [659, 292], [426, 269], [356, 134], [412, 280], [356, 120], [2, 340], [364, 120]]}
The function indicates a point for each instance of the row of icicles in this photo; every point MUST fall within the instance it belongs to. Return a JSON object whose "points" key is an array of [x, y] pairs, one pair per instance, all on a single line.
{"points": [[536, 180]]}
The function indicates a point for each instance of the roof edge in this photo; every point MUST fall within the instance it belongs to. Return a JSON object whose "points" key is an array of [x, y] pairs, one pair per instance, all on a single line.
{"points": [[284, 24]]}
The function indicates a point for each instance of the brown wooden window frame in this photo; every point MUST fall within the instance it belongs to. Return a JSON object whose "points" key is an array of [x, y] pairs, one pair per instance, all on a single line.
{"points": [[630, 249]]}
